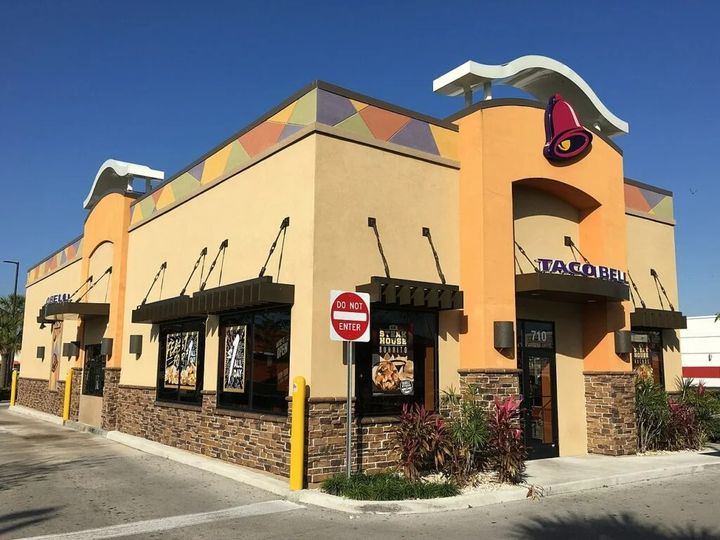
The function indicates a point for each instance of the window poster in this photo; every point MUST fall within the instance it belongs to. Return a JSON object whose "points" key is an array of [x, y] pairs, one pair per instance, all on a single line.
{"points": [[55, 354], [235, 353], [181, 356], [393, 370]]}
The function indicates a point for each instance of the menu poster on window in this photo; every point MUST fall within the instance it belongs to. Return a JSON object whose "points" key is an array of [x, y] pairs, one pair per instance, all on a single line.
{"points": [[393, 370], [235, 353], [181, 355], [56, 353]]}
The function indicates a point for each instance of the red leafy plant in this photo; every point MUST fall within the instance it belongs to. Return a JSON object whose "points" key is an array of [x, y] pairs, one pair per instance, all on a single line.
{"points": [[684, 430], [423, 439], [507, 448]]}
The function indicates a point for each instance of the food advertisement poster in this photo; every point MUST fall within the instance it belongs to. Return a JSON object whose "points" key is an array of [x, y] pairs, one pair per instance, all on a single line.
{"points": [[181, 355], [55, 354], [393, 370], [235, 353]]}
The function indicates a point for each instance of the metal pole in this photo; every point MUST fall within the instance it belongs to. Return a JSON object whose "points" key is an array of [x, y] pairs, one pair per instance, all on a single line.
{"points": [[348, 437], [11, 362]]}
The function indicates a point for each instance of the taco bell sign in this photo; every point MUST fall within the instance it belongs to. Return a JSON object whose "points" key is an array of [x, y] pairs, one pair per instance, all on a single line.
{"points": [[58, 298], [556, 266]]}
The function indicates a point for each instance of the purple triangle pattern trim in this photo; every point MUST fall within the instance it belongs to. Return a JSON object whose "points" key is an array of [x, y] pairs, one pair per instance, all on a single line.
{"points": [[197, 170], [333, 109], [288, 130], [416, 134]]}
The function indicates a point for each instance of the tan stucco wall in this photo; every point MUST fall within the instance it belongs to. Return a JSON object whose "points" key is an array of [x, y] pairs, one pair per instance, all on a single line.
{"points": [[100, 260], [541, 222], [651, 244], [355, 182], [90, 412], [65, 280], [572, 421], [336, 250], [247, 209]]}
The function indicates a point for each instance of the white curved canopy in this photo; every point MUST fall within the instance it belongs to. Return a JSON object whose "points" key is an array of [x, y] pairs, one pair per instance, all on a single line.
{"points": [[541, 77], [117, 176]]}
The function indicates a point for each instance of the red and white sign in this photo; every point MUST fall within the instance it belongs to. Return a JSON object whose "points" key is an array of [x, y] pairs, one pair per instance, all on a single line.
{"points": [[349, 316]]}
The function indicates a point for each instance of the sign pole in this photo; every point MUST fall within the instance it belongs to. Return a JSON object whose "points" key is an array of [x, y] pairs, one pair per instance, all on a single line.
{"points": [[349, 322], [348, 436]]}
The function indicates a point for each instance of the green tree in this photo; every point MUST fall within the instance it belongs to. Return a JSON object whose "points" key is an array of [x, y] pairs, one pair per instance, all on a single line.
{"points": [[11, 325]]}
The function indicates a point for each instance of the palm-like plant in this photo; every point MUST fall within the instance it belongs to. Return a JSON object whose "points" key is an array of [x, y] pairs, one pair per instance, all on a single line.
{"points": [[12, 309]]}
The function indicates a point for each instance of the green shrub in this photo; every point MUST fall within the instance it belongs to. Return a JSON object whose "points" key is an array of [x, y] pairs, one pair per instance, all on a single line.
{"points": [[652, 413], [386, 487], [470, 434]]}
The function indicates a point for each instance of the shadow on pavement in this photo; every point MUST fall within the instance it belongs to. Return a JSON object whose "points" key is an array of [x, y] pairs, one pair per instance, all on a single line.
{"points": [[18, 520], [624, 526], [15, 474]]}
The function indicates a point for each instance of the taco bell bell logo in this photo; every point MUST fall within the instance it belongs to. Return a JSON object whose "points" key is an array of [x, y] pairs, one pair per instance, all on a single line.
{"points": [[565, 138]]}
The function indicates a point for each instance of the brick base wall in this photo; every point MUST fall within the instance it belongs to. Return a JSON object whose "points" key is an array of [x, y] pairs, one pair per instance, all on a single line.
{"points": [[110, 399], [249, 439], [484, 384], [610, 409], [374, 447], [34, 393], [75, 394]]}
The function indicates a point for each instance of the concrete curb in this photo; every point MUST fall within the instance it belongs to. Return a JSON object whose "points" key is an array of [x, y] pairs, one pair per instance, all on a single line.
{"points": [[228, 470], [85, 428], [38, 415], [495, 495]]}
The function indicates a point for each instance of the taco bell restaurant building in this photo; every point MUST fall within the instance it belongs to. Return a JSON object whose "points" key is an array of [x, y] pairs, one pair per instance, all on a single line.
{"points": [[503, 249]]}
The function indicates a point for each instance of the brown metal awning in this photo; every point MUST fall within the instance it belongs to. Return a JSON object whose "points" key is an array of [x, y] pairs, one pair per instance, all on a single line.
{"points": [[405, 293], [179, 307], [570, 288], [255, 292], [657, 318], [244, 294], [62, 311]]}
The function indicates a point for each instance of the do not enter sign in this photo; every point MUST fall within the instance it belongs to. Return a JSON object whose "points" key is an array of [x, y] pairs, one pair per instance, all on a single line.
{"points": [[349, 316]]}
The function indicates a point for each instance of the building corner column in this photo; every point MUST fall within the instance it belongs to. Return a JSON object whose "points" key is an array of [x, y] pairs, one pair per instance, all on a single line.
{"points": [[610, 410], [111, 389]]}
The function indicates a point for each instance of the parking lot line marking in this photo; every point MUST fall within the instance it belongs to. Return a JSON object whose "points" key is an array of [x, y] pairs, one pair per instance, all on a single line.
{"points": [[174, 522]]}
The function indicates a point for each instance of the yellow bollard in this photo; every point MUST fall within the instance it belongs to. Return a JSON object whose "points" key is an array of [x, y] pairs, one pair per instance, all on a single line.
{"points": [[297, 434], [13, 387], [68, 388]]}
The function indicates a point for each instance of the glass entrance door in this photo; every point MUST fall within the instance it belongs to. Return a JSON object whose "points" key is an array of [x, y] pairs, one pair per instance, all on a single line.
{"points": [[538, 387]]}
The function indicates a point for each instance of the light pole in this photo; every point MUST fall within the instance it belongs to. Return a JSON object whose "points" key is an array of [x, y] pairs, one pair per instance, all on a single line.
{"points": [[11, 362]]}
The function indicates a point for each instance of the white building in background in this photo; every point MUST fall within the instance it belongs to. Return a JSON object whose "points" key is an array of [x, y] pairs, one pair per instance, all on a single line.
{"points": [[700, 347]]}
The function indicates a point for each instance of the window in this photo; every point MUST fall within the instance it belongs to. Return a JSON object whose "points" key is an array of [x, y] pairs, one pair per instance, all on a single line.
{"points": [[94, 371], [399, 364], [181, 362], [648, 350], [254, 361]]}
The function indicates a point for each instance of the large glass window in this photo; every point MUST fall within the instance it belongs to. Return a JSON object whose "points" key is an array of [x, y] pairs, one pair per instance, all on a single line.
{"points": [[399, 364], [181, 362], [647, 349], [93, 371], [254, 362]]}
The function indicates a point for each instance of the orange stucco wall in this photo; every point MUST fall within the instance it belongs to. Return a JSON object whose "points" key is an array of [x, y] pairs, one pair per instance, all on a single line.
{"points": [[500, 146], [108, 222]]}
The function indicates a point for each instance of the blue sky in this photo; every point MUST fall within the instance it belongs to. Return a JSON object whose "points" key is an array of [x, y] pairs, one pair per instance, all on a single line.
{"points": [[160, 83]]}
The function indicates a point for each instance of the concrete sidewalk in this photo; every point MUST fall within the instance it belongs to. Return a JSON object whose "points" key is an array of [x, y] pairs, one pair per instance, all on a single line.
{"points": [[549, 476]]}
